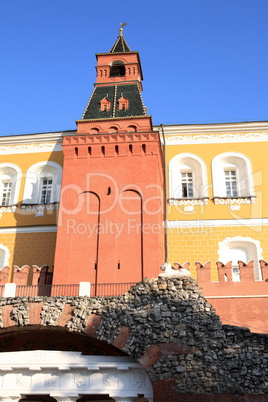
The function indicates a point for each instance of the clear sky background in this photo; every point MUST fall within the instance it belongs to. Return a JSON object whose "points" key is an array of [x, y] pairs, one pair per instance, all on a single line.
{"points": [[204, 61]]}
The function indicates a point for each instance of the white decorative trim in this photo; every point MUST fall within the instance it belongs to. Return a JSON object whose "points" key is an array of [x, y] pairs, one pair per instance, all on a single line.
{"points": [[234, 202], [218, 223], [214, 133], [40, 209], [216, 139], [187, 204], [30, 148], [187, 201], [43, 142], [224, 244], [69, 374], [10, 209], [30, 229]]}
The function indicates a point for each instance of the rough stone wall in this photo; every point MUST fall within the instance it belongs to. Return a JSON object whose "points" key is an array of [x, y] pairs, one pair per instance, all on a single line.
{"points": [[166, 325]]}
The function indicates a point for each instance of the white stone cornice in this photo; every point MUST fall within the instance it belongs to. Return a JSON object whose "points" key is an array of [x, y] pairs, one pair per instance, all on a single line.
{"points": [[215, 133], [214, 128], [32, 143]]}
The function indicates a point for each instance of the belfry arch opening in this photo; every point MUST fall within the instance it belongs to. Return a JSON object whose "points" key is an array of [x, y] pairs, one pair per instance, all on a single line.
{"points": [[117, 69]]}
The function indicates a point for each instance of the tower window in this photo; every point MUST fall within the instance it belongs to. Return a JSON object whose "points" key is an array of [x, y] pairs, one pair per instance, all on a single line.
{"points": [[187, 184], [46, 191], [117, 69], [123, 103], [105, 104], [231, 183]]}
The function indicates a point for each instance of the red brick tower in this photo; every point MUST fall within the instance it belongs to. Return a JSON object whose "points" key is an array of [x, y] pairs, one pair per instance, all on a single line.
{"points": [[110, 218]]}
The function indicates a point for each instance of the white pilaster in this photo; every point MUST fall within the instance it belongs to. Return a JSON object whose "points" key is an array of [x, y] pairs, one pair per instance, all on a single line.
{"points": [[84, 288], [10, 290]]}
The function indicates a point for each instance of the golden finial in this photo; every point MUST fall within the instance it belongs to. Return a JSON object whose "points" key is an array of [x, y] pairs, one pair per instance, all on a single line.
{"points": [[122, 25]]}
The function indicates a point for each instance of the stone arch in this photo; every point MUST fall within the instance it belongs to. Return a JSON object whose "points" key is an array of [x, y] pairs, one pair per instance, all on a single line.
{"points": [[4, 256], [61, 372]]}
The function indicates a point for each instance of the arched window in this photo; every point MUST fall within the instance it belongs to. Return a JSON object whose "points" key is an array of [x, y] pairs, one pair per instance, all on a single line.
{"points": [[232, 176], [4, 256], [117, 69], [187, 177], [131, 129], [43, 182], [94, 130], [10, 178], [240, 248], [112, 130]]}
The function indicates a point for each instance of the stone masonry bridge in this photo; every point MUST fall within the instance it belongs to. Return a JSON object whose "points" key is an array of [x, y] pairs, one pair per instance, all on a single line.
{"points": [[164, 324]]}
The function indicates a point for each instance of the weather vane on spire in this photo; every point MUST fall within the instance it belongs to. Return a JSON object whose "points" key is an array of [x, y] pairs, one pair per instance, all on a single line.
{"points": [[122, 25]]}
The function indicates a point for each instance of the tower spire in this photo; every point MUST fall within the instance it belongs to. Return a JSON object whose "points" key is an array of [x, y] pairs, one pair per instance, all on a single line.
{"points": [[122, 25], [120, 45]]}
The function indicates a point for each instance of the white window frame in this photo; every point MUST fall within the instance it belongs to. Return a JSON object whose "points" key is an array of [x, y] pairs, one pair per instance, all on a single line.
{"points": [[6, 195], [187, 183], [230, 178], [192, 163], [9, 172], [34, 177], [45, 190], [242, 164]]}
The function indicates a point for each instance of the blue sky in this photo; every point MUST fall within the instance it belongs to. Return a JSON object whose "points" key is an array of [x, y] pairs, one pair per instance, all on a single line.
{"points": [[204, 61]]}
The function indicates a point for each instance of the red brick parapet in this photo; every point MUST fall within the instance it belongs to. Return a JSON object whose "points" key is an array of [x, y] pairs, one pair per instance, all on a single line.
{"points": [[246, 270], [4, 275], [224, 271], [264, 270], [203, 271], [20, 275]]}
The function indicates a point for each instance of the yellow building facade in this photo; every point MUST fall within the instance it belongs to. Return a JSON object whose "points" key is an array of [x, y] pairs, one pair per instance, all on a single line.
{"points": [[217, 194]]}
